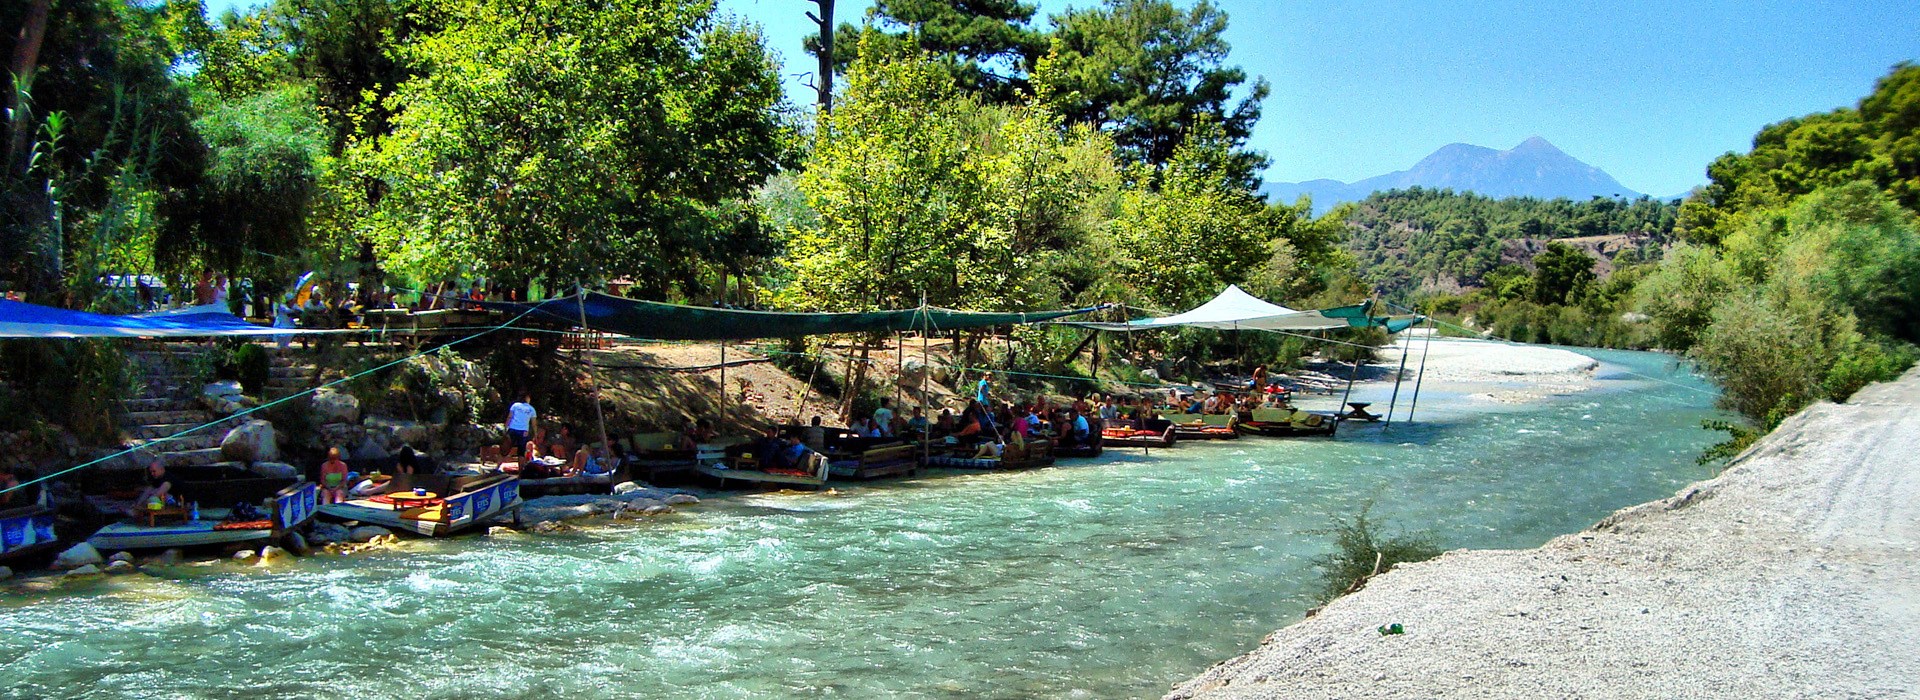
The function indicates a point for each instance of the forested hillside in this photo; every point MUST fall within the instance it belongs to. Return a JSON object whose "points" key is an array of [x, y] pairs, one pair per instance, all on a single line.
{"points": [[1419, 241]]}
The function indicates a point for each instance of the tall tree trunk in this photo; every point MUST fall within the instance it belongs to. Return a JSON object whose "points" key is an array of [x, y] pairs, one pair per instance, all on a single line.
{"points": [[825, 87]]}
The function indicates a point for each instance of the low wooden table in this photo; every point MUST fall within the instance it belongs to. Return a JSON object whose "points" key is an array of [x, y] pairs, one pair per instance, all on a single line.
{"points": [[153, 516], [407, 499]]}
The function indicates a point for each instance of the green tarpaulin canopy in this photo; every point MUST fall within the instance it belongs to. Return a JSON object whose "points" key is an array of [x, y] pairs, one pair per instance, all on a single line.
{"points": [[662, 321]]}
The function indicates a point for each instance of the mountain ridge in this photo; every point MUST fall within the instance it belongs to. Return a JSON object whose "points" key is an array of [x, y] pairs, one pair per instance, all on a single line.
{"points": [[1533, 168]]}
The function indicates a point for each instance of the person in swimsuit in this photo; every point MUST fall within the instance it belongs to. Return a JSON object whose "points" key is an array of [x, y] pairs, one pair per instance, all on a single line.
{"points": [[333, 478]]}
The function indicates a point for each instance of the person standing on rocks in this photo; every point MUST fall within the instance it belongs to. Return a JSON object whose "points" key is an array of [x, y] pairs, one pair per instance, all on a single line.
{"points": [[520, 418]]}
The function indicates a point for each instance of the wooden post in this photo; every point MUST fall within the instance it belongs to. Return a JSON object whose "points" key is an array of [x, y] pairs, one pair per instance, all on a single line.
{"points": [[723, 380]]}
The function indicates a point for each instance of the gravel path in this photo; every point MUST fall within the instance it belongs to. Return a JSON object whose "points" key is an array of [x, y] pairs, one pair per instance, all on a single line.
{"points": [[1794, 574]]}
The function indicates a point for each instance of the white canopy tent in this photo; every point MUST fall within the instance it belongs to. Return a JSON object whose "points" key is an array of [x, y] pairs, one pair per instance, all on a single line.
{"points": [[1236, 310]]}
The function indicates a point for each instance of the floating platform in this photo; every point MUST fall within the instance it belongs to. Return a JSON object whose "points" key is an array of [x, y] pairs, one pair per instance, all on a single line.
{"points": [[28, 530], [477, 500], [1280, 422], [1205, 427], [293, 507]]}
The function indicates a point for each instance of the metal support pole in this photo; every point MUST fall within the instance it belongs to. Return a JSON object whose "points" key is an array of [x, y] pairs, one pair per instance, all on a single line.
{"points": [[1431, 329], [1396, 383], [592, 382], [1351, 375], [723, 380]]}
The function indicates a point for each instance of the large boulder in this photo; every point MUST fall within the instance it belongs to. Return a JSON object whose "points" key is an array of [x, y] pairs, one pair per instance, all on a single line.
{"points": [[170, 557], [120, 567], [79, 555], [625, 487], [270, 553], [329, 533], [682, 499], [393, 433], [369, 450], [5, 573], [252, 442], [87, 570], [297, 544], [331, 406], [275, 470], [245, 555], [366, 533]]}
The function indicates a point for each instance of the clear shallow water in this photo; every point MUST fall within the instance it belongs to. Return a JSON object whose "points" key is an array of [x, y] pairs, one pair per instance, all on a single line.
{"points": [[1098, 579]]}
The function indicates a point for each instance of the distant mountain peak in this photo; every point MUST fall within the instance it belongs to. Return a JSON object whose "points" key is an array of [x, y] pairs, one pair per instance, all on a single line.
{"points": [[1534, 168], [1538, 145]]}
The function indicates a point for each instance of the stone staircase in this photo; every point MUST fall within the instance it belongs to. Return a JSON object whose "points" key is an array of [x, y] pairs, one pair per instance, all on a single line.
{"points": [[169, 403]]}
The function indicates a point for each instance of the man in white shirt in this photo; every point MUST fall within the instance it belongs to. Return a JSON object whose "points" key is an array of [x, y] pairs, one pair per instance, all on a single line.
{"points": [[883, 418], [520, 420]]}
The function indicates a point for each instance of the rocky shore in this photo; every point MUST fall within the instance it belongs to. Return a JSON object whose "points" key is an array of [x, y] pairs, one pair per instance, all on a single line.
{"points": [[1793, 574]]}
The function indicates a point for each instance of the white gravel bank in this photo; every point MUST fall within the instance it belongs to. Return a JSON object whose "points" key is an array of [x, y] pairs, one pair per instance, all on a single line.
{"points": [[1795, 574]]}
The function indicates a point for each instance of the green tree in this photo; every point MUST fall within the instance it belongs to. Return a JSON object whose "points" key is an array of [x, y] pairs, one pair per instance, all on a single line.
{"points": [[1148, 73], [985, 45], [261, 175], [1561, 274], [1190, 230], [921, 190], [556, 141]]}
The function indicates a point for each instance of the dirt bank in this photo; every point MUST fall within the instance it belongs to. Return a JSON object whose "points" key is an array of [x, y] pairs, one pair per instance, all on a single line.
{"points": [[1794, 574]]}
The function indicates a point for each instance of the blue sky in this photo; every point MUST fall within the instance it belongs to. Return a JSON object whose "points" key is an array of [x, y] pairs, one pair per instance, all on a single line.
{"points": [[1648, 91]]}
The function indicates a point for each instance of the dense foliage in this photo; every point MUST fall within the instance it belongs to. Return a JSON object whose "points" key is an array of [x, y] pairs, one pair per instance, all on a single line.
{"points": [[540, 146], [1801, 280], [1423, 240]]}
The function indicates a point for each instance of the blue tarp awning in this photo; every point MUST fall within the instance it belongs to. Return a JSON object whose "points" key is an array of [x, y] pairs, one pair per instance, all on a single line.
{"points": [[23, 320]]}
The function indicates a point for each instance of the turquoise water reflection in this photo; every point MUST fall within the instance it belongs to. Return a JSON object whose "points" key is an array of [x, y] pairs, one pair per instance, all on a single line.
{"points": [[1107, 579]]}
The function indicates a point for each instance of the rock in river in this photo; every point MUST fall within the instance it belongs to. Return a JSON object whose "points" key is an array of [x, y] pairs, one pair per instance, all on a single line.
{"points": [[366, 533], [77, 556]]}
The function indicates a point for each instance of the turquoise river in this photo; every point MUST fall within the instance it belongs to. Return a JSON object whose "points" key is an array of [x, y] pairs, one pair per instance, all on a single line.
{"points": [[1105, 578]]}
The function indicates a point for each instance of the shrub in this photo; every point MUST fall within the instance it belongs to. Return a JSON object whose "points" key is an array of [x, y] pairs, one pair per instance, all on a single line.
{"points": [[1362, 550], [252, 366]]}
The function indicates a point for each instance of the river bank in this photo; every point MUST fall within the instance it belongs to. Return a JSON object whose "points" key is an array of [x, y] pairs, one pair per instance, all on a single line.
{"points": [[1107, 578], [1793, 574]]}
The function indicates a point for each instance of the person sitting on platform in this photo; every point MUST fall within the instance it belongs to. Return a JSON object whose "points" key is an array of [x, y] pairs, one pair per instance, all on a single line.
{"points": [[794, 455], [973, 421], [945, 425], [158, 487], [689, 438], [815, 435], [587, 462], [990, 449], [704, 432], [883, 417], [1081, 429], [859, 427], [406, 461], [1023, 425], [333, 478], [917, 425], [769, 447]]}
